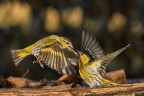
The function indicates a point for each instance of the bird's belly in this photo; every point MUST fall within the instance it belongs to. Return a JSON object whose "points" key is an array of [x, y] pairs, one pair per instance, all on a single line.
{"points": [[91, 77]]}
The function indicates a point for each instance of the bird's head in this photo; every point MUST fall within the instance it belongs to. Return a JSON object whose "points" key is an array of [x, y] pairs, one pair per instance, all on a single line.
{"points": [[65, 43], [84, 59]]}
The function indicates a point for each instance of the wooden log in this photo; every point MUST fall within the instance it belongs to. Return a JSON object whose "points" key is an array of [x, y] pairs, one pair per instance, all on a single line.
{"points": [[123, 89]]}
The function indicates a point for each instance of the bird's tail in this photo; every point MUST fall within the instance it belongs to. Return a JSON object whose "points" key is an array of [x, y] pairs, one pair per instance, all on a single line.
{"points": [[18, 55], [108, 82]]}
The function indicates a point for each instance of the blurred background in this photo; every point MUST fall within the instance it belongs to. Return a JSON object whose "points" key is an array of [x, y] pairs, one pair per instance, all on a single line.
{"points": [[115, 23]]}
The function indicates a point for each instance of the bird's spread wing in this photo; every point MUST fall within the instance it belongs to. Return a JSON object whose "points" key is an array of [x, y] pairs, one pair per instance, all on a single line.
{"points": [[90, 46], [102, 62], [61, 60]]}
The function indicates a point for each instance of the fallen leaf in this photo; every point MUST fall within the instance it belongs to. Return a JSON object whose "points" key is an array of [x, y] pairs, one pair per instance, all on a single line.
{"points": [[117, 76]]}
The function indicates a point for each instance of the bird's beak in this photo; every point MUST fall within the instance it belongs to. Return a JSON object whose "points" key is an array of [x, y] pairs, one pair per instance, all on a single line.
{"points": [[75, 51]]}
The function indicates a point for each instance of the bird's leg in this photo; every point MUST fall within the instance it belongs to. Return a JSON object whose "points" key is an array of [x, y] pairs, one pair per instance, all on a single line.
{"points": [[41, 64], [38, 61], [36, 53]]}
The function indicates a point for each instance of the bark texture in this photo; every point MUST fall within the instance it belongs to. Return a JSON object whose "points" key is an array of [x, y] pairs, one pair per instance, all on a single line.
{"points": [[123, 89]]}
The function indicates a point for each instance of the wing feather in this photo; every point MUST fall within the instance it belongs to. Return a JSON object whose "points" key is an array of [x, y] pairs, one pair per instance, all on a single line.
{"points": [[61, 60], [54, 61], [102, 63], [90, 46]]}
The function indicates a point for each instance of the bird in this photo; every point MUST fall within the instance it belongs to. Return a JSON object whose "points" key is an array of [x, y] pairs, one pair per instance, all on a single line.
{"points": [[54, 51], [93, 62]]}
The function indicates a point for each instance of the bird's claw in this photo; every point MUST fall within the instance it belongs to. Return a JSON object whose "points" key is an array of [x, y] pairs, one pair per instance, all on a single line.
{"points": [[39, 63], [35, 62]]}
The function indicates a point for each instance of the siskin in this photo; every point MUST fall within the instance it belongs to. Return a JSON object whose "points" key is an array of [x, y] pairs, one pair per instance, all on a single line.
{"points": [[93, 63], [56, 52]]}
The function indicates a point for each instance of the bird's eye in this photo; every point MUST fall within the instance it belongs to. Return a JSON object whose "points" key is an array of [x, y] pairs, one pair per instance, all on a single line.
{"points": [[67, 43]]}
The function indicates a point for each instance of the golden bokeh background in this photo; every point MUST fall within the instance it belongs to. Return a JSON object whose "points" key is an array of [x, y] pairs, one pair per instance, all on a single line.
{"points": [[115, 23]]}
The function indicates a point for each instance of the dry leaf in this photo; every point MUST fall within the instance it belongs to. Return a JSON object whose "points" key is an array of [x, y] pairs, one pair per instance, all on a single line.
{"points": [[117, 76]]}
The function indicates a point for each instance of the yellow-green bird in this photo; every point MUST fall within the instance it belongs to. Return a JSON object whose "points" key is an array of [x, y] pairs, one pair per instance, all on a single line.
{"points": [[55, 51], [93, 63]]}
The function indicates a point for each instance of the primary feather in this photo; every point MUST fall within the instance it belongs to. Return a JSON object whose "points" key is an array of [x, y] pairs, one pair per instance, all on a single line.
{"points": [[90, 46]]}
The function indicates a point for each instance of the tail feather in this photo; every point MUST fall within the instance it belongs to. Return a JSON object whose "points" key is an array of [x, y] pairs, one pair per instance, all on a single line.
{"points": [[108, 82], [18, 56]]}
